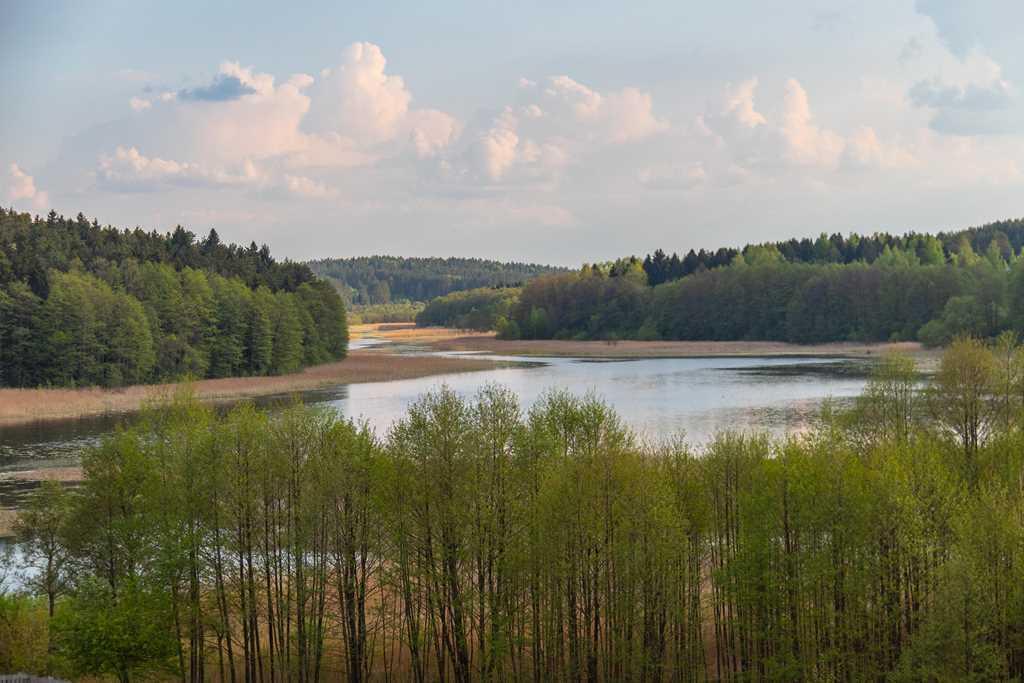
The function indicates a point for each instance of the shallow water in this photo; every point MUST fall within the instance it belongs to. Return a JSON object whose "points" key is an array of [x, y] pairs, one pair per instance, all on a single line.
{"points": [[659, 397]]}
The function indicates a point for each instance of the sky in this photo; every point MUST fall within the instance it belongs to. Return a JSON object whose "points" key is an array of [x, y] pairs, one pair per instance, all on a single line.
{"points": [[556, 132]]}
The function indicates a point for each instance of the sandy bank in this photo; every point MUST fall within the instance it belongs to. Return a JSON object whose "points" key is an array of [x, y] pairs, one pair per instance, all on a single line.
{"points": [[666, 349], [20, 406], [443, 339]]}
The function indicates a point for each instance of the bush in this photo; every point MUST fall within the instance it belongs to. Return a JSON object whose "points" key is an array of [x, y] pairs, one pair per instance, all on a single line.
{"points": [[934, 333], [507, 329]]}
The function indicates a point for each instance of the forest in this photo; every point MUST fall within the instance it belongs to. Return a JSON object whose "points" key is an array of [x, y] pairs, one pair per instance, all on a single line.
{"points": [[85, 305], [478, 540], [1008, 236], [482, 309], [916, 288], [370, 280]]}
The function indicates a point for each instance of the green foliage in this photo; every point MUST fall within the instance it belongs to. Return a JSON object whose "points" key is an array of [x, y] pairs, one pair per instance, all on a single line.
{"points": [[395, 312], [123, 634], [474, 309], [588, 304], [999, 241], [476, 539], [82, 305], [24, 633], [763, 297], [370, 280]]}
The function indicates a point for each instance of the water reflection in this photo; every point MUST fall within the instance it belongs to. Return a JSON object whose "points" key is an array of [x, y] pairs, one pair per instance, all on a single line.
{"points": [[657, 396]]}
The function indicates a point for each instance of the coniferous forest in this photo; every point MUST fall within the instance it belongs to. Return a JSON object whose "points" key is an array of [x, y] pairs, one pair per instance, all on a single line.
{"points": [[477, 540], [877, 288], [82, 305]]}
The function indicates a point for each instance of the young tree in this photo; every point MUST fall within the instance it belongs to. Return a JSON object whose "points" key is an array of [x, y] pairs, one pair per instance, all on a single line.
{"points": [[41, 527], [124, 634], [960, 396]]}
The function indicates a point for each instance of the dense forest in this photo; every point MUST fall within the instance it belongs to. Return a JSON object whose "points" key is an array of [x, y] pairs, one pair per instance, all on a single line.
{"points": [[82, 305], [479, 541], [1008, 237], [917, 287], [369, 280], [481, 309]]}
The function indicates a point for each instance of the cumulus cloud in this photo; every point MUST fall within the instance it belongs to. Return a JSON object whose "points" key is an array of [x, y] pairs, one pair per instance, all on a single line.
{"points": [[359, 98], [128, 170], [740, 104], [617, 117], [494, 150], [807, 143], [224, 87], [864, 148], [747, 142], [21, 188], [431, 131]]}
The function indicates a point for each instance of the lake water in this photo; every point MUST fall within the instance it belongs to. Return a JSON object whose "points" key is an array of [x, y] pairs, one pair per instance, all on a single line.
{"points": [[658, 396]]}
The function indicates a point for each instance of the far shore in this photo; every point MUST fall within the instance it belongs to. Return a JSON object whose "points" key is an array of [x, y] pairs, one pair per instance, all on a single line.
{"points": [[443, 339]]}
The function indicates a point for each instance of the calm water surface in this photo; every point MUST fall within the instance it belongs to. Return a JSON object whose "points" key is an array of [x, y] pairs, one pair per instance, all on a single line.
{"points": [[658, 397]]}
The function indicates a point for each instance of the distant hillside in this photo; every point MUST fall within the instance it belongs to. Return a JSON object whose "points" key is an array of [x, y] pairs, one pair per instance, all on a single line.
{"points": [[367, 280]]}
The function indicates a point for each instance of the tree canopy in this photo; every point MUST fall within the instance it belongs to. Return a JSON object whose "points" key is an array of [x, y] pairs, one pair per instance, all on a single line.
{"points": [[365, 280], [482, 540], [916, 287], [87, 305]]}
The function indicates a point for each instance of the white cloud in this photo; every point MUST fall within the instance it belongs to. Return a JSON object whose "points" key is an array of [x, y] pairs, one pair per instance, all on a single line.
{"points": [[747, 143], [431, 131], [359, 99], [617, 117], [740, 104], [127, 169], [496, 149], [21, 187], [863, 148], [807, 143], [307, 187], [260, 124], [140, 103]]}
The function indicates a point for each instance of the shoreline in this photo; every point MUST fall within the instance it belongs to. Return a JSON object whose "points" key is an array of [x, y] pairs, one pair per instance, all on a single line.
{"points": [[19, 407], [27, 406], [444, 339]]}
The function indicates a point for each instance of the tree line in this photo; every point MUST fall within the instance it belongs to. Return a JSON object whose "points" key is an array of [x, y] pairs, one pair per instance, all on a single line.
{"points": [[1008, 237], [486, 308], [761, 295], [84, 305], [369, 280], [477, 540]]}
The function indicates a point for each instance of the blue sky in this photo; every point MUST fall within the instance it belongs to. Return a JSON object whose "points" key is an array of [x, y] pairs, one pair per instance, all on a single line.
{"points": [[559, 132]]}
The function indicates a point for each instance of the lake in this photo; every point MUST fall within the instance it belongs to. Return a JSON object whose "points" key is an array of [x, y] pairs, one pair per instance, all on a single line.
{"points": [[658, 397]]}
